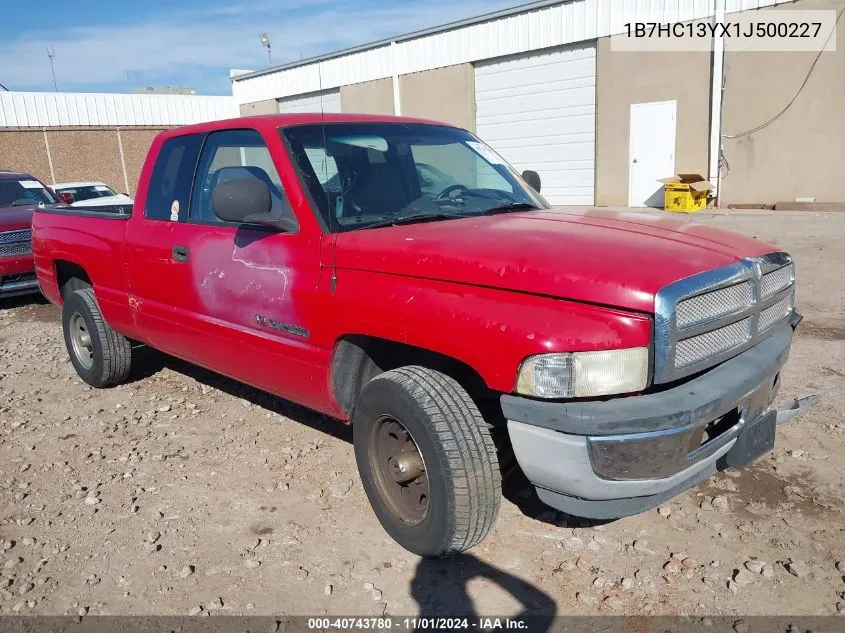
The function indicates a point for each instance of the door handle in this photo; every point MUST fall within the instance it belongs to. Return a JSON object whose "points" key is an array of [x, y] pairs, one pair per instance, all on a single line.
{"points": [[180, 253]]}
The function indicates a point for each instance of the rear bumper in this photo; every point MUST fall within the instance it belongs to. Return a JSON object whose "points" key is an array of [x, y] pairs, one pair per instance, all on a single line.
{"points": [[623, 456], [17, 276]]}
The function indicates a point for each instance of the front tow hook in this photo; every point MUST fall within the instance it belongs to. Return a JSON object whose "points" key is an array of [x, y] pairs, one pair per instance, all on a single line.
{"points": [[799, 405]]}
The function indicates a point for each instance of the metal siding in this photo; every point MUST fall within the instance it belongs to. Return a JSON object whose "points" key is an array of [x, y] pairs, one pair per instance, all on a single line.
{"points": [[532, 30], [55, 109], [538, 111]]}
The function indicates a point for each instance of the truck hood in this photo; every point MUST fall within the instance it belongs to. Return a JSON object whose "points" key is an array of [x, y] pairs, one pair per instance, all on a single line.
{"points": [[602, 257], [14, 218]]}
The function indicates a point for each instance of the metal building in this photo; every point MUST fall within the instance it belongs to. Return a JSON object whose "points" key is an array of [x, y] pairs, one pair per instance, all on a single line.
{"points": [[540, 83]]}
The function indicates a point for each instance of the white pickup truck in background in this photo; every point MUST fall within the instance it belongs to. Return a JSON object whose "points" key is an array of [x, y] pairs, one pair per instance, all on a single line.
{"points": [[90, 194]]}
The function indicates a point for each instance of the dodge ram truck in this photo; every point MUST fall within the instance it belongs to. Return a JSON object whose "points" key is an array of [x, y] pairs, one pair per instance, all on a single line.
{"points": [[20, 194], [617, 359]]}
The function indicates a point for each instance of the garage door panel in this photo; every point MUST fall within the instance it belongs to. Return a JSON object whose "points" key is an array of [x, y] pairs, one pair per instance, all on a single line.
{"points": [[551, 103], [538, 112], [527, 77], [327, 101], [528, 130]]}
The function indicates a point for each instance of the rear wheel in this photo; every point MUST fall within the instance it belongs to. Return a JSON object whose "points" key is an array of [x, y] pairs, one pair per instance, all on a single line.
{"points": [[101, 356], [427, 461]]}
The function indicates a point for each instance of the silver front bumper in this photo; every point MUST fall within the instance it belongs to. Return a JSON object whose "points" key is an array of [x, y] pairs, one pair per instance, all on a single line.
{"points": [[686, 434]]}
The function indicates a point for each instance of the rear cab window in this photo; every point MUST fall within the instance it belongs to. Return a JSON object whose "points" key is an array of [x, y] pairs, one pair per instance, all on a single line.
{"points": [[169, 190]]}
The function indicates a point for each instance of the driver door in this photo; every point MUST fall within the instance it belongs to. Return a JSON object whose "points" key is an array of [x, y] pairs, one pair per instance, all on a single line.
{"points": [[246, 307]]}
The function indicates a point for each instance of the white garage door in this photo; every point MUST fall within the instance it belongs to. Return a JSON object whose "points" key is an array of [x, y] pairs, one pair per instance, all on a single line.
{"points": [[311, 102], [539, 112]]}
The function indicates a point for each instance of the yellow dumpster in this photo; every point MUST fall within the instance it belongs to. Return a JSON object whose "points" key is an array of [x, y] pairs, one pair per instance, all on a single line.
{"points": [[685, 193]]}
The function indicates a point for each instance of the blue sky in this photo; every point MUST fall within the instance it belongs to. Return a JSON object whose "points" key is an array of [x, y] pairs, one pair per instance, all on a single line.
{"points": [[102, 46]]}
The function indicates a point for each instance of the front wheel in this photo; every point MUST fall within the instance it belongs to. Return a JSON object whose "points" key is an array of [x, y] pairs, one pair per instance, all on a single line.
{"points": [[101, 356], [426, 460]]}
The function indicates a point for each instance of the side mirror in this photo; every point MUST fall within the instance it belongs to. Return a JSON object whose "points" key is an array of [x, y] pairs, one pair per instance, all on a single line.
{"points": [[247, 202], [532, 178], [66, 198]]}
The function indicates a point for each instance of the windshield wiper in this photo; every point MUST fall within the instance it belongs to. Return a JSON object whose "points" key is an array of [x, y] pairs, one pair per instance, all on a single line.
{"points": [[410, 219], [511, 206]]}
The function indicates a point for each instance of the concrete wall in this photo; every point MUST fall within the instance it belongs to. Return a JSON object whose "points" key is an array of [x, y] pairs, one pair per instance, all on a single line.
{"points": [[624, 78], [371, 97], [445, 94], [270, 106], [78, 154], [25, 151], [801, 153]]}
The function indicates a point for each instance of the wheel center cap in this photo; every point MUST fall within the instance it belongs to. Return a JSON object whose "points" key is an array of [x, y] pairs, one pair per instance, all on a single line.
{"points": [[406, 467]]}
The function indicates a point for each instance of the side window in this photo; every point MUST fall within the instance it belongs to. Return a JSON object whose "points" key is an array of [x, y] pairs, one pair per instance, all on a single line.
{"points": [[235, 155], [170, 184]]}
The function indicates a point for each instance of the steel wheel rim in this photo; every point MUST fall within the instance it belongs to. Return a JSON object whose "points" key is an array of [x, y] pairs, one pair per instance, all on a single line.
{"points": [[399, 470], [80, 339]]}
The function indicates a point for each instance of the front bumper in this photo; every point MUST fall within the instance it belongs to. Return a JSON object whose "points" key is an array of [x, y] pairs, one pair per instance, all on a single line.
{"points": [[17, 275], [623, 456]]}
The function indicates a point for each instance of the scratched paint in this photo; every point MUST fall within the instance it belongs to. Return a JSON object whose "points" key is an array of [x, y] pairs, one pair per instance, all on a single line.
{"points": [[239, 279]]}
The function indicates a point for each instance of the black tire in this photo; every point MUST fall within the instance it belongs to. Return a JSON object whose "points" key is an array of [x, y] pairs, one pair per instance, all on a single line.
{"points": [[108, 360], [464, 486]]}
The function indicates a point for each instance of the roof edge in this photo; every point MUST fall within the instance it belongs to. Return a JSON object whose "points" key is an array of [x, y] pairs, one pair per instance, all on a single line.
{"points": [[451, 26]]}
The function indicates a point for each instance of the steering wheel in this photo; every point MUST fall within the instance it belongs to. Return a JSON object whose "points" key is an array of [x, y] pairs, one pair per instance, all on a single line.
{"points": [[445, 193]]}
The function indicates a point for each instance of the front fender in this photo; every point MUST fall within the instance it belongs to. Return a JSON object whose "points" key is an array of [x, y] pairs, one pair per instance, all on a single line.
{"points": [[490, 330]]}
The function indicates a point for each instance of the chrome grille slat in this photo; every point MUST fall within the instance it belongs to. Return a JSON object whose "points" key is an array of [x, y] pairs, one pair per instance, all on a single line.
{"points": [[716, 304], [696, 348], [14, 243], [774, 282], [21, 235], [710, 317], [776, 312]]}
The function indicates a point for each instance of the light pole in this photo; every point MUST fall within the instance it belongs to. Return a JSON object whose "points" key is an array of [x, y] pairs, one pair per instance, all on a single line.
{"points": [[265, 42]]}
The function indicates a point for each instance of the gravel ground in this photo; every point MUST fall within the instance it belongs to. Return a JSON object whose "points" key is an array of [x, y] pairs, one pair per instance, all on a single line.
{"points": [[183, 492]]}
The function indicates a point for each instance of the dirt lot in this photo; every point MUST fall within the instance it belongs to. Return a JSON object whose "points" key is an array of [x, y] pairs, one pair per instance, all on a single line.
{"points": [[183, 492]]}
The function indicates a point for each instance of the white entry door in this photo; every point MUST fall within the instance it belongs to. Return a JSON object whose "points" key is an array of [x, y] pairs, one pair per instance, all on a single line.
{"points": [[651, 149]]}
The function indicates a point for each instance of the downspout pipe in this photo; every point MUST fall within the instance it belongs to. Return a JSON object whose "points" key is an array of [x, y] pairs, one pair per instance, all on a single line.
{"points": [[717, 87]]}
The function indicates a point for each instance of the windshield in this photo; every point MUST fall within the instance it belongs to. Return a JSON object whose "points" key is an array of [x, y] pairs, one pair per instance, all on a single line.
{"points": [[366, 174], [22, 192], [87, 192]]}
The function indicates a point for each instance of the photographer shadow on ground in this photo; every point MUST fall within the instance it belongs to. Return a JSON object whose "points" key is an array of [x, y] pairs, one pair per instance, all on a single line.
{"points": [[440, 587]]}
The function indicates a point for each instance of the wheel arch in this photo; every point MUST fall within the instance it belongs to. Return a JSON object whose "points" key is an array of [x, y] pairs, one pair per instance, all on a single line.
{"points": [[358, 358]]}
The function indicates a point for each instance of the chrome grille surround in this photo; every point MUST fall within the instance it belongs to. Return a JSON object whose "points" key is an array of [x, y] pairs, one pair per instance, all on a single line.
{"points": [[707, 318], [14, 243]]}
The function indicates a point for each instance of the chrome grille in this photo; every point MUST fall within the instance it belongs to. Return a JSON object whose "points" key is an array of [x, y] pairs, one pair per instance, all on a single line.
{"points": [[696, 348], [777, 312], [710, 317], [774, 282], [22, 235], [715, 304], [15, 243]]}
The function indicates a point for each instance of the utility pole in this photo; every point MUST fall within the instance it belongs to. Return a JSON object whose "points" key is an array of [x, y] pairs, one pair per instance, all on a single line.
{"points": [[51, 53]]}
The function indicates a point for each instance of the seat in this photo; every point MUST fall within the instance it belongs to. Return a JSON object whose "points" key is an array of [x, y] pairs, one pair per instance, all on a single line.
{"points": [[377, 190]]}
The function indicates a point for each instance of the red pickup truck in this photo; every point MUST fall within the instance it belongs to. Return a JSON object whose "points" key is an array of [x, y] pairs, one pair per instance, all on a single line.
{"points": [[398, 275], [20, 195]]}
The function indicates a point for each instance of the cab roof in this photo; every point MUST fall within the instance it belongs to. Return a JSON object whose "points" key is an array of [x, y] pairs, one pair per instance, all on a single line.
{"points": [[16, 175], [272, 121]]}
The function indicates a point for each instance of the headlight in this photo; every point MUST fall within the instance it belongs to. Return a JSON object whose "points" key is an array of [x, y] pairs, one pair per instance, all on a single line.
{"points": [[584, 374]]}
